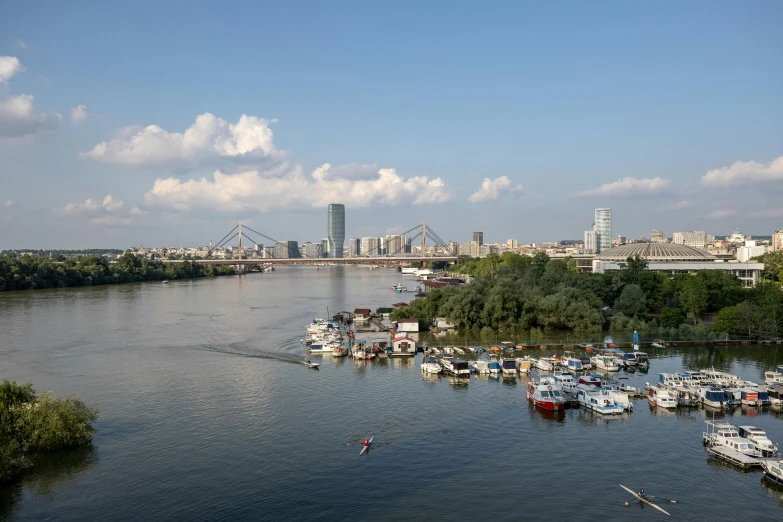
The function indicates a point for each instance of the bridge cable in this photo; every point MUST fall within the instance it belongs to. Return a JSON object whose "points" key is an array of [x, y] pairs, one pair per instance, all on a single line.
{"points": [[224, 237]]}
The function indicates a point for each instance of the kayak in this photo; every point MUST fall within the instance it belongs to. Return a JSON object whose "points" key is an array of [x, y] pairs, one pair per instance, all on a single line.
{"points": [[641, 498], [367, 446]]}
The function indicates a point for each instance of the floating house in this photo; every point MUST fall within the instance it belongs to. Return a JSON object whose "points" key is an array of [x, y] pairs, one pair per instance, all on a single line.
{"points": [[402, 347], [407, 325], [362, 314]]}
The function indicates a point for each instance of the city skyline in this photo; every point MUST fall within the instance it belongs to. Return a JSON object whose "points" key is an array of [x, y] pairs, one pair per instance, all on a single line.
{"points": [[109, 145]]}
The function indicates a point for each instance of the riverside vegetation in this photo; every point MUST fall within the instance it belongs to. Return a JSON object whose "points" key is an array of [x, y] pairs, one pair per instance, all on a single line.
{"points": [[36, 272], [537, 295], [31, 423]]}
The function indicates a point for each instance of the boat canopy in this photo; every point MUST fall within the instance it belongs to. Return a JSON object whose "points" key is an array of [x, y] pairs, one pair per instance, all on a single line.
{"points": [[714, 395]]}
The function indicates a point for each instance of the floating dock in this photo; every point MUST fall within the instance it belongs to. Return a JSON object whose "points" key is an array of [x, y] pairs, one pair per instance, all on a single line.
{"points": [[735, 457]]}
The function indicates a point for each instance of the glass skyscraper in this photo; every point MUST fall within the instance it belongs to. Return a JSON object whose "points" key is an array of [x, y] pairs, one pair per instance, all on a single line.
{"points": [[603, 226], [336, 229]]}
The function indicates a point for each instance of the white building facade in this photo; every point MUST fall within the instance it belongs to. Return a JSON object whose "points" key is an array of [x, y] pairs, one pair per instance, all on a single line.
{"points": [[603, 226]]}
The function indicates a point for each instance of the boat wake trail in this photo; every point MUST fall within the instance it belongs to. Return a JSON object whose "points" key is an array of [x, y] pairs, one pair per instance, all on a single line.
{"points": [[242, 350]]}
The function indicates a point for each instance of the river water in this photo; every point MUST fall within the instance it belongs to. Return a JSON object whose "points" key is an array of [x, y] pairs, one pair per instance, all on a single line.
{"points": [[206, 413]]}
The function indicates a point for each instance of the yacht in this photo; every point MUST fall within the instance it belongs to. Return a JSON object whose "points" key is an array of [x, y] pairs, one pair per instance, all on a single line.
{"points": [[619, 395], [759, 437], [597, 400], [456, 367], [659, 396], [606, 363], [727, 436], [546, 396], [773, 470], [431, 365]]}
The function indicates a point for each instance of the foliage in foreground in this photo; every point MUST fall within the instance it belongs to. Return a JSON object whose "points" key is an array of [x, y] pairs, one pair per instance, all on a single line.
{"points": [[31, 423]]}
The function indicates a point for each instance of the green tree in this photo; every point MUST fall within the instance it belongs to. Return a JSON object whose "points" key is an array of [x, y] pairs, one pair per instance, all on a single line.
{"points": [[746, 318], [632, 301], [672, 318], [692, 295], [56, 422]]}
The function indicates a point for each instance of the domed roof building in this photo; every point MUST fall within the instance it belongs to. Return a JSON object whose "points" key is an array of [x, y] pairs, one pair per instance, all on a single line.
{"points": [[672, 258], [665, 252]]}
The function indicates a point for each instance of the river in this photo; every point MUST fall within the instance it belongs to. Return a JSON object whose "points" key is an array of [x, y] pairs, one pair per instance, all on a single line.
{"points": [[206, 413]]}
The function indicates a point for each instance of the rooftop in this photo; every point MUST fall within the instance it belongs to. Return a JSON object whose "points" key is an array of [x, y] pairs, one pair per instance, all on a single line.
{"points": [[655, 252]]}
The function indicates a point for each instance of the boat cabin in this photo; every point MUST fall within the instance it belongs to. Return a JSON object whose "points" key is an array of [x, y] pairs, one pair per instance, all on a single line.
{"points": [[402, 347]]}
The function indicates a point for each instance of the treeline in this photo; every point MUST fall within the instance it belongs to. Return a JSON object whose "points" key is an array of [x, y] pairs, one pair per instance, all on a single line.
{"points": [[31, 423], [514, 292], [35, 272], [773, 266]]}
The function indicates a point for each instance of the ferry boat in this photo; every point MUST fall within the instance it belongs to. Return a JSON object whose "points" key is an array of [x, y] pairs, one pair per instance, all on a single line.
{"points": [[546, 396], [773, 470], [659, 396], [606, 363], [597, 400], [759, 438], [508, 366], [711, 396], [431, 365]]}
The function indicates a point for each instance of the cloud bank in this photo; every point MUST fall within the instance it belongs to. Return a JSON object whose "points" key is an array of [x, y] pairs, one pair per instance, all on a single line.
{"points": [[629, 186], [743, 172], [492, 189], [109, 204], [289, 188], [19, 117], [9, 66], [208, 139]]}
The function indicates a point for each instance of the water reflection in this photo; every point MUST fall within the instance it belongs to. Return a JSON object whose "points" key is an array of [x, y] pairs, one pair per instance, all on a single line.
{"points": [[546, 415], [47, 471]]}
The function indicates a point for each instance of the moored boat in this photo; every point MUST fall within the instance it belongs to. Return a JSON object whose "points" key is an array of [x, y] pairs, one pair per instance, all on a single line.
{"points": [[759, 438], [525, 364], [660, 397], [597, 400], [508, 366], [726, 436], [546, 396], [606, 363], [431, 365], [773, 470]]}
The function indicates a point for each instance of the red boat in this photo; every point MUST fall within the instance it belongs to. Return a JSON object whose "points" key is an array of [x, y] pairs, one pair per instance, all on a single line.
{"points": [[546, 396]]}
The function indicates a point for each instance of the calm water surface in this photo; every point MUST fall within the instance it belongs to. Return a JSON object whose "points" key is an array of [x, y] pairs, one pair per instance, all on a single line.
{"points": [[208, 414]]}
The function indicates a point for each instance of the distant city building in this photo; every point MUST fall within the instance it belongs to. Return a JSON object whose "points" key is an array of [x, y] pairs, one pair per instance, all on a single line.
{"points": [[454, 248], [603, 225], [691, 238], [657, 236], [777, 241], [336, 229], [591, 241], [311, 250], [736, 237], [370, 246], [392, 245], [512, 244], [478, 237], [471, 248], [325, 247], [286, 249], [269, 251], [406, 245], [621, 240], [354, 247], [749, 251]]}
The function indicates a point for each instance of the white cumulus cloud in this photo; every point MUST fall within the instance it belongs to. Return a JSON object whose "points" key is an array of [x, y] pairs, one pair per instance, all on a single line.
{"points": [[290, 188], [722, 213], [19, 117], [109, 204], [742, 172], [9, 66], [78, 114], [208, 139], [493, 188], [629, 186]]}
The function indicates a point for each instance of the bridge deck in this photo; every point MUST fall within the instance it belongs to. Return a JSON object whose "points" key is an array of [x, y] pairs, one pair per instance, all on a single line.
{"points": [[321, 261]]}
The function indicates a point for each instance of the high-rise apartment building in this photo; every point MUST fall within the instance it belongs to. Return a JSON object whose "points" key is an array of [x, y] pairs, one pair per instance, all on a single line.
{"points": [[591, 241], [603, 226], [478, 237], [406, 245], [311, 250], [777, 241], [657, 236], [454, 248], [287, 249], [354, 247], [325, 247], [513, 244], [471, 248], [336, 229], [371, 246]]}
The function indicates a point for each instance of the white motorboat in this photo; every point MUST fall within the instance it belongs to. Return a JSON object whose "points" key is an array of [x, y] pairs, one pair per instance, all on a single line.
{"points": [[481, 366], [324, 348], [597, 400], [759, 438], [659, 396], [566, 381], [727, 436], [619, 393], [775, 395], [399, 288], [431, 365], [606, 363], [525, 364], [573, 364], [773, 378], [544, 364], [456, 367], [629, 360], [773, 470], [658, 344], [642, 360]]}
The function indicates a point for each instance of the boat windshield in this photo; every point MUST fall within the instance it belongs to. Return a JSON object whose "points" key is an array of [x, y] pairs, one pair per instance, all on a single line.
{"points": [[556, 394]]}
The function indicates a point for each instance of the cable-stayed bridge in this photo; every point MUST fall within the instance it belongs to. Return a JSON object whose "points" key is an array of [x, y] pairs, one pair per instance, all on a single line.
{"points": [[288, 252]]}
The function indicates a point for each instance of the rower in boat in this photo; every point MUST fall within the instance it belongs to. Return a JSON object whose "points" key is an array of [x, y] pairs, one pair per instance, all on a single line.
{"points": [[367, 444]]}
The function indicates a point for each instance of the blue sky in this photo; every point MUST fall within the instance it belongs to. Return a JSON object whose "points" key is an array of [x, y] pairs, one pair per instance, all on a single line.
{"points": [[670, 113]]}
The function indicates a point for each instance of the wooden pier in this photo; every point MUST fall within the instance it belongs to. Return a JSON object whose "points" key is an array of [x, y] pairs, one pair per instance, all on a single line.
{"points": [[735, 457]]}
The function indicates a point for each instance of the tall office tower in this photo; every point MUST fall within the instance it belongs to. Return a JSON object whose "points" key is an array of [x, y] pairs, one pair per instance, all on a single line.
{"points": [[336, 229], [287, 249], [478, 237], [325, 247], [354, 247], [406, 244], [603, 225]]}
